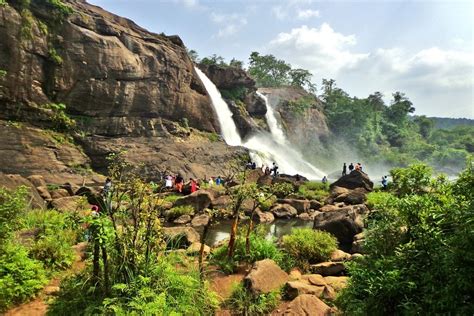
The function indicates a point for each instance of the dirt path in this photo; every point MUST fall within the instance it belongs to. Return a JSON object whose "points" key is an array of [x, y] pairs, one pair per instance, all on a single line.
{"points": [[38, 306]]}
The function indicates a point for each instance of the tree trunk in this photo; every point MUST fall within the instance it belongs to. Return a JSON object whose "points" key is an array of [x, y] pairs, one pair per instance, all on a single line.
{"points": [[106, 270], [233, 235]]}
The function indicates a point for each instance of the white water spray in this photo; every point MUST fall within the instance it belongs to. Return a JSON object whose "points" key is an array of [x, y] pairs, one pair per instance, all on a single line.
{"points": [[265, 148]]}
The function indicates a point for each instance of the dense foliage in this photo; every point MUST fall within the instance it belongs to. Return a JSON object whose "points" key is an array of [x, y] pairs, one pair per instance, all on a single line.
{"points": [[244, 302], [419, 250], [306, 246]]}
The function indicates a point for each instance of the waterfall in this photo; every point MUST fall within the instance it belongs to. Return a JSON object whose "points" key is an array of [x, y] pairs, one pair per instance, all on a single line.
{"points": [[265, 148], [272, 122], [224, 115]]}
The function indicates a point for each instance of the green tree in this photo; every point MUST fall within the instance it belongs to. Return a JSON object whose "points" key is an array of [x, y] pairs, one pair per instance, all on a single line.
{"points": [[268, 71], [236, 63], [302, 78]]}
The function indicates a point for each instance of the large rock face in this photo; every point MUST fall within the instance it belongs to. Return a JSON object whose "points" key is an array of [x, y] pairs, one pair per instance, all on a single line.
{"points": [[127, 88]]}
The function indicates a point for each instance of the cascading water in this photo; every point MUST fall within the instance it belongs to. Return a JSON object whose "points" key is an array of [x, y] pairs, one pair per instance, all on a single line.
{"points": [[265, 148], [224, 115]]}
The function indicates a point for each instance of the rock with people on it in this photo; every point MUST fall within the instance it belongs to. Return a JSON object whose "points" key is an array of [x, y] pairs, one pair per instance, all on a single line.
{"points": [[199, 200], [353, 180]]}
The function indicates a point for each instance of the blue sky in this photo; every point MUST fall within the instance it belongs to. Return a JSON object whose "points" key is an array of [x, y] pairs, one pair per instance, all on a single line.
{"points": [[422, 48]]}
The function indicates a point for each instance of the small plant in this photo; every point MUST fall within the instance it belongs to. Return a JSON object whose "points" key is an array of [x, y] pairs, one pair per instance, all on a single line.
{"points": [[244, 302], [314, 190], [378, 199], [177, 211], [3, 73], [172, 197], [213, 137], [307, 246], [61, 121], [54, 57]]}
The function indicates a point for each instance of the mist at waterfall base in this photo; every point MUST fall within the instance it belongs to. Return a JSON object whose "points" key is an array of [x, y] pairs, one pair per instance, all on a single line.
{"points": [[265, 148]]}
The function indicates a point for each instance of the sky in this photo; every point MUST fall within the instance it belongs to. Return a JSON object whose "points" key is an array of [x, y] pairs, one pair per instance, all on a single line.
{"points": [[422, 48]]}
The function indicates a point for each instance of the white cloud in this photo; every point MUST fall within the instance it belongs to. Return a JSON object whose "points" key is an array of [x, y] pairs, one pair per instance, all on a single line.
{"points": [[307, 14], [228, 23], [435, 78], [188, 3], [317, 48]]}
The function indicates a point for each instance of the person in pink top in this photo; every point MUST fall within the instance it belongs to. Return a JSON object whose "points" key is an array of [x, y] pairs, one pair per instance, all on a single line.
{"points": [[194, 185]]}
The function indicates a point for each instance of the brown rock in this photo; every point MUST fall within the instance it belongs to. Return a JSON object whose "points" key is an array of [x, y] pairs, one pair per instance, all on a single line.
{"points": [[183, 219], [339, 255], [37, 180], [284, 211], [199, 200], [328, 268], [307, 304], [295, 274], [337, 283], [306, 216], [222, 202], [296, 288], [355, 179], [315, 204], [314, 279], [300, 205], [13, 181], [195, 248], [51, 290], [59, 193], [265, 277], [200, 220], [356, 196], [263, 217], [44, 193], [69, 204]]}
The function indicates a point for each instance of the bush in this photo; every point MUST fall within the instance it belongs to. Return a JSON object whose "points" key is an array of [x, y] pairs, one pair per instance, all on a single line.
{"points": [[177, 211], [378, 199], [307, 246], [172, 197], [419, 253], [260, 248], [20, 276], [12, 205], [167, 289], [243, 302], [314, 190], [54, 237]]}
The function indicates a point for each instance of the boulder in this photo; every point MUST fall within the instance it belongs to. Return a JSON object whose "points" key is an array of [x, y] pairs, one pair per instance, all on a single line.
{"points": [[59, 193], [358, 243], [265, 277], [263, 217], [199, 200], [307, 304], [183, 219], [265, 180], [200, 220], [337, 282], [328, 268], [13, 181], [222, 202], [339, 255], [180, 237], [44, 193], [295, 274], [295, 288], [284, 211], [315, 204], [69, 204], [195, 248], [353, 180], [300, 205], [37, 180], [306, 216], [315, 279], [356, 196], [344, 223]]}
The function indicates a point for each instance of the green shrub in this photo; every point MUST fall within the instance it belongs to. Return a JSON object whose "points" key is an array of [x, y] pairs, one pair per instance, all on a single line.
{"points": [[12, 206], [177, 211], [378, 199], [172, 197], [260, 248], [61, 121], [54, 57], [314, 190], [244, 302], [164, 290], [20, 276], [307, 246]]}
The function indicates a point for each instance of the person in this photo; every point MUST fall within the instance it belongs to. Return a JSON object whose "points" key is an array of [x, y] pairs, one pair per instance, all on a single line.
{"points": [[211, 181], [297, 177], [107, 187], [168, 181], [194, 186], [264, 168], [325, 180], [351, 167], [344, 169], [384, 182], [179, 183], [254, 165], [218, 180], [249, 165], [267, 170], [357, 167], [275, 170]]}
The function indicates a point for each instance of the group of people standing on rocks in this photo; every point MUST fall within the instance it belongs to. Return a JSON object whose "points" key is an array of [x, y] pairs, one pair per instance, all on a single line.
{"points": [[177, 182], [352, 167], [265, 169]]}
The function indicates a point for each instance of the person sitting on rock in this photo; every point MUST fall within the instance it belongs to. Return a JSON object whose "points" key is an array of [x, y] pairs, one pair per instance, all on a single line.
{"points": [[384, 182], [357, 167], [254, 165], [194, 185], [211, 181], [179, 182], [275, 170], [218, 180], [325, 180], [351, 167], [168, 181], [344, 169]]}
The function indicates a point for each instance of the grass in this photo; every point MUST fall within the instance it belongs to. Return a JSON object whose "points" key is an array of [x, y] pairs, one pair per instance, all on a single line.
{"points": [[178, 211], [243, 302], [313, 190]]}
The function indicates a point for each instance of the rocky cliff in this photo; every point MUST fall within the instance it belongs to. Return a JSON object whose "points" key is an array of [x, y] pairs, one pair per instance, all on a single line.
{"points": [[126, 88]]}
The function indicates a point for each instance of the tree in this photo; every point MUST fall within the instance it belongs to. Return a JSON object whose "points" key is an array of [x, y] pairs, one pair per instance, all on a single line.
{"points": [[236, 63], [268, 71], [213, 60], [425, 125], [193, 55], [399, 109], [302, 78]]}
